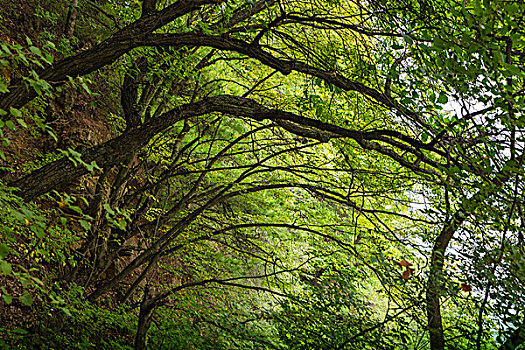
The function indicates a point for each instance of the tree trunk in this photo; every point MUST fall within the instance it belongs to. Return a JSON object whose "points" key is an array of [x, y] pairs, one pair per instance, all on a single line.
{"points": [[434, 283], [147, 308], [62, 172], [71, 19]]}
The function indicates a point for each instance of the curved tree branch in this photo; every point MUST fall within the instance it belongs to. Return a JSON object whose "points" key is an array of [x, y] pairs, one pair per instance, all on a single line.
{"points": [[62, 172]]}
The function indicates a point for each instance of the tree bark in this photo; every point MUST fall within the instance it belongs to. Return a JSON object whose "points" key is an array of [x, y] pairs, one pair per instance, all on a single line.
{"points": [[148, 6], [62, 172], [434, 283], [71, 19], [147, 308]]}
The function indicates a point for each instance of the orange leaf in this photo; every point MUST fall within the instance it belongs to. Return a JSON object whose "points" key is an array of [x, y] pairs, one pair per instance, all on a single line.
{"points": [[466, 287], [406, 274], [404, 263]]}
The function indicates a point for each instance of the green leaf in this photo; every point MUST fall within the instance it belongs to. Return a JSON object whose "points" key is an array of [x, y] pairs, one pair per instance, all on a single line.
{"points": [[3, 88], [108, 209], [22, 122], [512, 69], [50, 44], [6, 49], [4, 250], [86, 225], [36, 51], [7, 298], [10, 124], [26, 299], [15, 112], [76, 208], [511, 8], [122, 224], [6, 267], [84, 85], [52, 134], [439, 43], [443, 98], [48, 58], [92, 166], [396, 46], [38, 231]]}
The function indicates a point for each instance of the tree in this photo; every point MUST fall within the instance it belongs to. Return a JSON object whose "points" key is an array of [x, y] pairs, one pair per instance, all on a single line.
{"points": [[224, 106]]}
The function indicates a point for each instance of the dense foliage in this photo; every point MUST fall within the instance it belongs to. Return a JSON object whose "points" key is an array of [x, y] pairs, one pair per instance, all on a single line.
{"points": [[262, 174]]}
